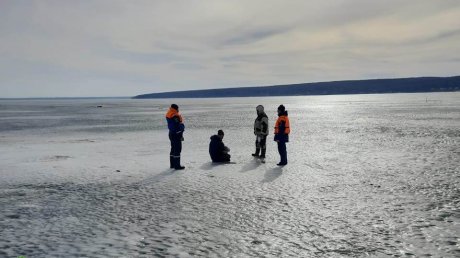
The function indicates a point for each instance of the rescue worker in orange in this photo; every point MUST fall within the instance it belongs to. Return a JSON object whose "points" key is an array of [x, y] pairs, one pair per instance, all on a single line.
{"points": [[282, 131], [176, 129]]}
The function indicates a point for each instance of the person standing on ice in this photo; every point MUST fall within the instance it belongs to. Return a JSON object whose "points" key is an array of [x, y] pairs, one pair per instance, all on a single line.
{"points": [[261, 132], [282, 131], [217, 149], [176, 129]]}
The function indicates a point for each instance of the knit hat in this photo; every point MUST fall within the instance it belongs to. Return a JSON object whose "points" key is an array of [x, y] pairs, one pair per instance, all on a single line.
{"points": [[281, 108], [176, 107], [220, 132]]}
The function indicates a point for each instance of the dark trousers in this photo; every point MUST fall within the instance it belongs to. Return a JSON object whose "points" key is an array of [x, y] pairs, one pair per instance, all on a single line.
{"points": [[282, 151], [176, 149], [262, 144], [224, 157]]}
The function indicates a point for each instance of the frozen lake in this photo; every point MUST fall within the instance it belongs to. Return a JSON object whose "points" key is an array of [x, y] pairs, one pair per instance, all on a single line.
{"points": [[368, 175]]}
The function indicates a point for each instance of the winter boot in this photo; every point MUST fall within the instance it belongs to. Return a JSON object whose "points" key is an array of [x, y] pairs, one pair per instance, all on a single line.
{"points": [[257, 153], [177, 165], [262, 156], [171, 162]]}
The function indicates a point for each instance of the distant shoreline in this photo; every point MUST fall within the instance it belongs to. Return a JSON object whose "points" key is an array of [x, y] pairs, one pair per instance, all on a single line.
{"points": [[134, 98], [371, 86], [349, 87]]}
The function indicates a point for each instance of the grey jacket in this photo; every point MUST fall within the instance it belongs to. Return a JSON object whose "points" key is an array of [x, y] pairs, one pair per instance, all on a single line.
{"points": [[261, 125]]}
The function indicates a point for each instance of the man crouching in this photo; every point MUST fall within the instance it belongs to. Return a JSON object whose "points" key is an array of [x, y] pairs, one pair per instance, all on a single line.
{"points": [[217, 149]]}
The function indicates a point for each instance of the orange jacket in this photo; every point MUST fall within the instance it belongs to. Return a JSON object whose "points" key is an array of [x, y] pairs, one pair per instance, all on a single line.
{"points": [[282, 123], [172, 113], [282, 128], [175, 122]]}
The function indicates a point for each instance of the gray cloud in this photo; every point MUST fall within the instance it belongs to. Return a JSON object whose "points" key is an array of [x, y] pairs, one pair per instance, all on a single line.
{"points": [[88, 48], [252, 36]]}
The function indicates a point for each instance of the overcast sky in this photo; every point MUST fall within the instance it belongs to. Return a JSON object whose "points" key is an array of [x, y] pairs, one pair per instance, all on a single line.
{"points": [[125, 48]]}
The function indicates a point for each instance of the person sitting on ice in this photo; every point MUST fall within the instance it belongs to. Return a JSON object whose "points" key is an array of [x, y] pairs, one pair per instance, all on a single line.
{"points": [[217, 149]]}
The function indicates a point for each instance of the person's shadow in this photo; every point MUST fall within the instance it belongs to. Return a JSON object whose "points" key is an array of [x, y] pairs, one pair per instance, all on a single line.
{"points": [[272, 174], [211, 165], [158, 177], [253, 164], [207, 166]]}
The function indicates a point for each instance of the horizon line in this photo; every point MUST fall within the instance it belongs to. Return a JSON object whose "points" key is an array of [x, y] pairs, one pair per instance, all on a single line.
{"points": [[224, 88]]}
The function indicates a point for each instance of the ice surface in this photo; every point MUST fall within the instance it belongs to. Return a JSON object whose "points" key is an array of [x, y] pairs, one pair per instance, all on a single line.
{"points": [[368, 175]]}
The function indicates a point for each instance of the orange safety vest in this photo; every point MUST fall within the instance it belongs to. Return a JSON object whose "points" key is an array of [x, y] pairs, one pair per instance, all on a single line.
{"points": [[284, 119], [172, 113]]}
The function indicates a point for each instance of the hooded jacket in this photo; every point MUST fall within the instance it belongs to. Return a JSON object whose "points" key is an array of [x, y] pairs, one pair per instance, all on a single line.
{"points": [[216, 147], [261, 124], [175, 123], [282, 127]]}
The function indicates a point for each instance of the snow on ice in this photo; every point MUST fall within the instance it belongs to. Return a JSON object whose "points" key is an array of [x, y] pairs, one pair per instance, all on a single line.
{"points": [[368, 175]]}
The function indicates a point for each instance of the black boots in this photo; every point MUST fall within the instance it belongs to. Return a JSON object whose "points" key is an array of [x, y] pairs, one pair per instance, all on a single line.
{"points": [[262, 155], [175, 163], [257, 153]]}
